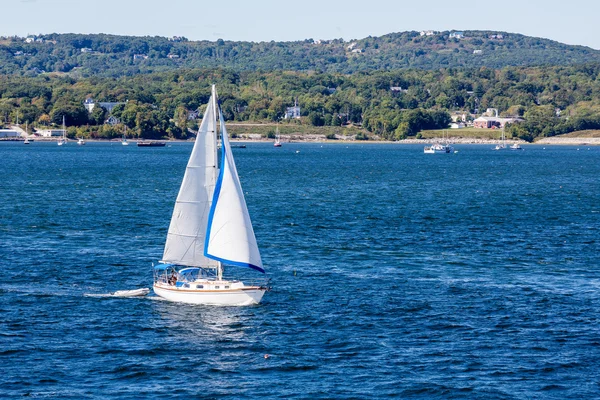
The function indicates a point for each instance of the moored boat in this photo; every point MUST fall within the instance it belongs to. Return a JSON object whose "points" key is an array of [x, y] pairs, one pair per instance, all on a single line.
{"points": [[150, 143]]}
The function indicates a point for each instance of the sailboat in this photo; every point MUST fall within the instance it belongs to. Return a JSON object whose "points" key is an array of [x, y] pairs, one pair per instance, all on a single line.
{"points": [[63, 139], [516, 146], [210, 227], [124, 142], [26, 141], [277, 138], [501, 146], [439, 148]]}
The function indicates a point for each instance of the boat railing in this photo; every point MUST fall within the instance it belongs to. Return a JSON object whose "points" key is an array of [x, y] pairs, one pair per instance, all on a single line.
{"points": [[166, 276]]}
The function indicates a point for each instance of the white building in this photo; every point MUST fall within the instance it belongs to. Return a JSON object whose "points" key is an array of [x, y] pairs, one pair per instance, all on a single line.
{"points": [[89, 105], [427, 33], [293, 112], [457, 35], [112, 120], [50, 132], [494, 122], [8, 133]]}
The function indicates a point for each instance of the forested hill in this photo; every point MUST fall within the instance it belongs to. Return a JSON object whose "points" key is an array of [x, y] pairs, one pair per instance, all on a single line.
{"points": [[112, 56]]}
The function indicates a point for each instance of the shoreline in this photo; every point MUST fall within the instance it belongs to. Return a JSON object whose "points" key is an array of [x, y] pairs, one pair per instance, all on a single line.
{"points": [[568, 141]]}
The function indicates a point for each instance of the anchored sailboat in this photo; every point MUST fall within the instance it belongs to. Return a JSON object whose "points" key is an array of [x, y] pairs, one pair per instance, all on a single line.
{"points": [[210, 227], [124, 141], [63, 139], [277, 138]]}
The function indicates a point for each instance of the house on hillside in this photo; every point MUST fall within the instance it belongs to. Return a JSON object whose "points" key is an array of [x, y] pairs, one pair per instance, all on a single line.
{"points": [[494, 122], [192, 115], [427, 33], [292, 112], [398, 89], [89, 104], [457, 35], [112, 120]]}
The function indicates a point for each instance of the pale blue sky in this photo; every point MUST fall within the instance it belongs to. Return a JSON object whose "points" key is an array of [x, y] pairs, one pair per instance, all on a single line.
{"points": [[572, 22]]}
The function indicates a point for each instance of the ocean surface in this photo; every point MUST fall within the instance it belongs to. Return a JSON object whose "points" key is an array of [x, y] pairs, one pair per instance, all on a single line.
{"points": [[395, 273]]}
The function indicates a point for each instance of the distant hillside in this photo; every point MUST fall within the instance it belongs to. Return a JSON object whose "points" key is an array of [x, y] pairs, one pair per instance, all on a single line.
{"points": [[112, 56]]}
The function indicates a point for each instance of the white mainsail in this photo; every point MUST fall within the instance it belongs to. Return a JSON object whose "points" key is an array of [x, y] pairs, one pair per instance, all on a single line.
{"points": [[187, 231], [230, 237]]}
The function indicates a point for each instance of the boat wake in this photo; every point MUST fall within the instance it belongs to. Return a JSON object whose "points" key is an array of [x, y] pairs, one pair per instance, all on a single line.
{"points": [[121, 293]]}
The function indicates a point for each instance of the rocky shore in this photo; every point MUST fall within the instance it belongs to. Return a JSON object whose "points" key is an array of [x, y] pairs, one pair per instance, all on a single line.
{"points": [[580, 141]]}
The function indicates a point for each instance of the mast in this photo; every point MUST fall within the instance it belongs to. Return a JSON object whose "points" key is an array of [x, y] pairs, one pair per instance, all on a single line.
{"points": [[215, 116]]}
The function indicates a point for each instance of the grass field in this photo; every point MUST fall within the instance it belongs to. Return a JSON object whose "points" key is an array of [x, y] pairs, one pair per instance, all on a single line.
{"points": [[464, 133], [582, 134], [291, 129]]}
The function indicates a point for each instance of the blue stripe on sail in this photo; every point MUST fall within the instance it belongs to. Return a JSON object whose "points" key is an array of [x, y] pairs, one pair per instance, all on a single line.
{"points": [[237, 263], [213, 206]]}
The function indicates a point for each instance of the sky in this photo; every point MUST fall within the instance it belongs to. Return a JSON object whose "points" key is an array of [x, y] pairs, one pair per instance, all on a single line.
{"points": [[571, 22]]}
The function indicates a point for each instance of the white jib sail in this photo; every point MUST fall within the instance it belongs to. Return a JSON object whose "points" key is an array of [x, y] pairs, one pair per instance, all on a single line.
{"points": [[230, 235], [187, 231]]}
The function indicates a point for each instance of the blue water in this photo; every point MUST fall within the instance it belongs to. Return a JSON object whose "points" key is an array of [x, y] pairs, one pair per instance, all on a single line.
{"points": [[394, 273]]}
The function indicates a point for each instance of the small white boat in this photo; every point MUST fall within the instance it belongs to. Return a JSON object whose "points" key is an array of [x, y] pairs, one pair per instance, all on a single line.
{"points": [[516, 146], [439, 148], [210, 227], [80, 142], [26, 141], [131, 293], [124, 141]]}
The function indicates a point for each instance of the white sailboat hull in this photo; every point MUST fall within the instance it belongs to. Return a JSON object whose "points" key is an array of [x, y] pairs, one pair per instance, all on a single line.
{"points": [[233, 297]]}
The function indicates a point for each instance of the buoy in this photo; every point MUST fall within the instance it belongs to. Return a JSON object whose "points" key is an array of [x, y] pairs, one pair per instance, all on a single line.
{"points": [[267, 356]]}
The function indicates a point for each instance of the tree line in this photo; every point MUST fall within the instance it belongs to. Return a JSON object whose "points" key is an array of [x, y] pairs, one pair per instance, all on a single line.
{"points": [[390, 104], [81, 55]]}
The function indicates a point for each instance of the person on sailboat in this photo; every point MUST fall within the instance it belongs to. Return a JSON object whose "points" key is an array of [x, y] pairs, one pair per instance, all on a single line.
{"points": [[173, 279]]}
